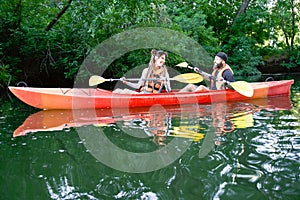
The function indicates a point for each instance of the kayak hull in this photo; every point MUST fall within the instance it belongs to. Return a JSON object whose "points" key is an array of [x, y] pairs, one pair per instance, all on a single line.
{"points": [[83, 98]]}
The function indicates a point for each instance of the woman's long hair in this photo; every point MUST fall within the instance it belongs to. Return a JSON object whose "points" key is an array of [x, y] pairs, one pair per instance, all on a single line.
{"points": [[155, 54]]}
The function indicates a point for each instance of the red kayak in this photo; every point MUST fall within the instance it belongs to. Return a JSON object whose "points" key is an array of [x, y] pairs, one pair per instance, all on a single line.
{"points": [[82, 98]]}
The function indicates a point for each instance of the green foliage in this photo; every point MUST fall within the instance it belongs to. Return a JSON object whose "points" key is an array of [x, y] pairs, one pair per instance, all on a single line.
{"points": [[294, 60], [247, 34], [262, 30], [253, 24], [245, 57], [7, 75], [189, 15], [4, 74], [285, 14]]}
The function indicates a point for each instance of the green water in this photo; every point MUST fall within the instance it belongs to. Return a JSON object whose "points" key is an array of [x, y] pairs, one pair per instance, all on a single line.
{"points": [[256, 159]]}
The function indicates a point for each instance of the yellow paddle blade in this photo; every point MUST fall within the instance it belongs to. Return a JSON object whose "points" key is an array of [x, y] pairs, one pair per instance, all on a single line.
{"points": [[183, 64], [188, 132], [188, 78], [95, 80], [243, 121], [101, 125], [243, 87]]}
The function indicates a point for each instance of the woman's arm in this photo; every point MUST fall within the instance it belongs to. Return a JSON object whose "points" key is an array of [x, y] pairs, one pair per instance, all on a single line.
{"points": [[167, 82]]}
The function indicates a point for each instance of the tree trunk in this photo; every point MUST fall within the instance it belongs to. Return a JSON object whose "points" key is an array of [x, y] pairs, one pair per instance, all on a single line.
{"points": [[293, 24], [243, 8], [63, 10]]}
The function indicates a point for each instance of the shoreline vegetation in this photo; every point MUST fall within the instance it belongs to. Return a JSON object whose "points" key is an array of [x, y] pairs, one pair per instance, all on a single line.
{"points": [[44, 43]]}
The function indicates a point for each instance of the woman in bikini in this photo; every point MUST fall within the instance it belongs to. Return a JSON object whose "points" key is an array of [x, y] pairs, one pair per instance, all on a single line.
{"points": [[155, 78]]}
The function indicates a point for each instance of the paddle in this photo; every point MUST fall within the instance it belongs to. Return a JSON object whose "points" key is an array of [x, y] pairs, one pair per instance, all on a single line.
{"points": [[184, 78], [241, 87]]}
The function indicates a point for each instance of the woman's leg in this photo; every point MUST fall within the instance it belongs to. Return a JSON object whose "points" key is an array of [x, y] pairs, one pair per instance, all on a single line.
{"points": [[201, 88], [189, 88]]}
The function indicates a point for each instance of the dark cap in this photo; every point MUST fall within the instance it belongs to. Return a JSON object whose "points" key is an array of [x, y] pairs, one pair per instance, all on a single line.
{"points": [[222, 55]]}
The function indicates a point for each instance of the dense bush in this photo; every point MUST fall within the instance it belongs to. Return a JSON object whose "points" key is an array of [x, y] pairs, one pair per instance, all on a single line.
{"points": [[45, 42]]}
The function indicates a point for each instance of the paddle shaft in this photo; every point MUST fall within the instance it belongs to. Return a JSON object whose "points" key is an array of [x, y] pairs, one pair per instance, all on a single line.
{"points": [[185, 78], [144, 79], [209, 76]]}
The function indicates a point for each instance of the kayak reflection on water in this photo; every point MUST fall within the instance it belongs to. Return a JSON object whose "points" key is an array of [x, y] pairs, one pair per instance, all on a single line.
{"points": [[160, 123]]}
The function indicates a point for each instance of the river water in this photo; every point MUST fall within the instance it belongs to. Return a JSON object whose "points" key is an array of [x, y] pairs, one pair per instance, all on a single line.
{"points": [[236, 150]]}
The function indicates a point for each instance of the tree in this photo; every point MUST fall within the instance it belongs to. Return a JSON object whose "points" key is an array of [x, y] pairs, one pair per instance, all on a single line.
{"points": [[243, 7], [61, 12], [288, 19], [42, 40]]}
